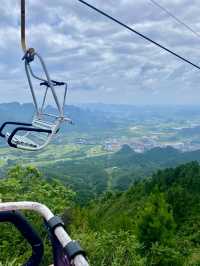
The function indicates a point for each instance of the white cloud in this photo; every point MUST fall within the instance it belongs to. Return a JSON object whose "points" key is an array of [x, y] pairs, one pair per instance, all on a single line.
{"points": [[101, 60]]}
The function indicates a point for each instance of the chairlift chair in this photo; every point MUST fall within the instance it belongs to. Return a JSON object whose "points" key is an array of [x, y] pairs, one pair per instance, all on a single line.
{"points": [[44, 126]]}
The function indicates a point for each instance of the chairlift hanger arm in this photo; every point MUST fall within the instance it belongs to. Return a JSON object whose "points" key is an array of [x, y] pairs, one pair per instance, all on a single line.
{"points": [[25, 47], [33, 74], [23, 30], [48, 80], [23, 26]]}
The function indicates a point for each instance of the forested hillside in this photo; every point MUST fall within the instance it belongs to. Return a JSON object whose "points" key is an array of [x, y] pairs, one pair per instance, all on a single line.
{"points": [[154, 222], [92, 176]]}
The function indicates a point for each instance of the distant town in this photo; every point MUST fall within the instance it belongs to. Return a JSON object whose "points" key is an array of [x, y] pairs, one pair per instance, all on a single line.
{"points": [[140, 146], [177, 137]]}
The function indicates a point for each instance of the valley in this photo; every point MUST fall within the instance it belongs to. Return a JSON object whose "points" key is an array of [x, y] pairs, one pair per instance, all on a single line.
{"points": [[114, 174]]}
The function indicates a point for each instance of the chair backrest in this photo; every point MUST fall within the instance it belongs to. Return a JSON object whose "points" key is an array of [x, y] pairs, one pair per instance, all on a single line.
{"points": [[40, 123]]}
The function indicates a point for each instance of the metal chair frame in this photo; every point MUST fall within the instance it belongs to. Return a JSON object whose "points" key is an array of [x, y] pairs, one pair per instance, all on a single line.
{"points": [[40, 124]]}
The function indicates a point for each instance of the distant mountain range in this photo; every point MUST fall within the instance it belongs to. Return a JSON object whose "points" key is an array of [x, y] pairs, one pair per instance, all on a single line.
{"points": [[17, 111], [144, 112], [99, 115], [84, 119], [162, 157]]}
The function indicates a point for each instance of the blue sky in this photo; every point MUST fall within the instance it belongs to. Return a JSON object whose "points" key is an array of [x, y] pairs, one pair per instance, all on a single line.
{"points": [[102, 61]]}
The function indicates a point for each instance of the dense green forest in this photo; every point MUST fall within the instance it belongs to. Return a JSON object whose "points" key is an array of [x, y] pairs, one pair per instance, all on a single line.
{"points": [[154, 222], [90, 177]]}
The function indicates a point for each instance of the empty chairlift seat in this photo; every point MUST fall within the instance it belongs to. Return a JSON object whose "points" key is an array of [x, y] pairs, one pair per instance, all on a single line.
{"points": [[39, 133]]}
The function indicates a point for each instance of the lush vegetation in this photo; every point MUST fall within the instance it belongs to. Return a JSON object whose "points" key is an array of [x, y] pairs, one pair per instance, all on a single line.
{"points": [[154, 222], [89, 177], [27, 184]]}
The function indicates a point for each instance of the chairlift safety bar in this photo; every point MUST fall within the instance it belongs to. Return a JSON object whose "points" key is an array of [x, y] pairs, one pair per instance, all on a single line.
{"points": [[46, 213]]}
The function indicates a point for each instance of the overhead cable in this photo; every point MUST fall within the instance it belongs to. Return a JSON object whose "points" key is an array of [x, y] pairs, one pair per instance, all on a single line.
{"points": [[139, 34], [175, 18]]}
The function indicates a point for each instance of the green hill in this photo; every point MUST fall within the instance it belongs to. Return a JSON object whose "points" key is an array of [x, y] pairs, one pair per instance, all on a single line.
{"points": [[92, 176], [154, 222], [160, 215]]}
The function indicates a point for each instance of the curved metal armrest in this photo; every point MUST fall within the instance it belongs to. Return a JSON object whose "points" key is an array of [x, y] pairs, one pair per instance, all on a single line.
{"points": [[12, 123], [59, 232], [28, 233], [29, 129]]}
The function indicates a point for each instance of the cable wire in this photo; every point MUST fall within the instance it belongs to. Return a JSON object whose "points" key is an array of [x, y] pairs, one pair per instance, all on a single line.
{"points": [[175, 18], [139, 34]]}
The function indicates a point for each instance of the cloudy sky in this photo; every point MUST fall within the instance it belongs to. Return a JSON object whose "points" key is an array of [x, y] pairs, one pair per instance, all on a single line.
{"points": [[101, 61]]}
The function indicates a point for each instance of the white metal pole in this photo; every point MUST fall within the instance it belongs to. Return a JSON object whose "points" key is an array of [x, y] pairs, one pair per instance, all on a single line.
{"points": [[46, 213]]}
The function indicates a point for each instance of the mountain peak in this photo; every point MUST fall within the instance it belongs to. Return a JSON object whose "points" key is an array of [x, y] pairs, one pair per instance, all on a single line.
{"points": [[125, 149]]}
